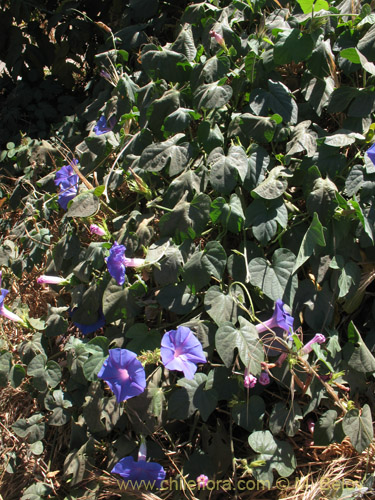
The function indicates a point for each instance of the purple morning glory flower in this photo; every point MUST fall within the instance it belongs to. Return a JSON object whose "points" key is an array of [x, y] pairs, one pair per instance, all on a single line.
{"points": [[136, 472], [123, 373], [181, 351], [67, 180], [318, 338], [371, 153], [117, 262], [102, 126], [86, 329], [264, 378], [95, 229], [3, 311], [280, 319], [249, 380]]}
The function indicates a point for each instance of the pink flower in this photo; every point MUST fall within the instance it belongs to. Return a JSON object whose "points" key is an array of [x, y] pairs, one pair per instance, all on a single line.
{"points": [[94, 229], [249, 380], [318, 338], [202, 481], [52, 280], [219, 39], [311, 425], [264, 378]]}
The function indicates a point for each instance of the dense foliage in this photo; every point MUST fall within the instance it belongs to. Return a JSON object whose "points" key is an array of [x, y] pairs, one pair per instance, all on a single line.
{"points": [[206, 203]]}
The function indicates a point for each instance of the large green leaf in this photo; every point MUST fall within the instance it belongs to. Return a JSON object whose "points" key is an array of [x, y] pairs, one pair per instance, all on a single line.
{"points": [[285, 418], [292, 45], [314, 237], [83, 205], [356, 353], [276, 454], [247, 126], [245, 339], [250, 416], [225, 169], [220, 306], [229, 214], [204, 264], [177, 298], [167, 64], [262, 216], [196, 394], [166, 155], [45, 373], [32, 428], [275, 279], [358, 426], [188, 220], [322, 199], [212, 95], [274, 185], [119, 302], [302, 140]]}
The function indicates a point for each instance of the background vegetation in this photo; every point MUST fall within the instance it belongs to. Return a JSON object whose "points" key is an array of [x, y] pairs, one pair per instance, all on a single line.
{"points": [[235, 164]]}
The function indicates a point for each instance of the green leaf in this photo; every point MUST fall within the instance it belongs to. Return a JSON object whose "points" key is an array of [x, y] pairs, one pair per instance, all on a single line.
{"points": [[250, 416], [5, 367], [143, 339], [204, 264], [167, 154], [37, 448], [317, 93], [186, 182], [197, 394], [177, 298], [45, 373], [247, 126], [225, 169], [322, 199], [324, 429], [359, 428], [302, 140], [292, 45], [179, 120], [92, 366], [276, 455], [184, 43], [285, 417], [262, 217], [229, 214], [363, 219], [119, 302], [37, 491], [356, 353], [56, 403], [220, 306], [16, 375], [210, 137], [33, 428], [245, 339], [259, 161], [314, 237], [275, 184], [308, 6], [212, 95], [166, 64], [83, 205], [188, 220], [275, 279]]}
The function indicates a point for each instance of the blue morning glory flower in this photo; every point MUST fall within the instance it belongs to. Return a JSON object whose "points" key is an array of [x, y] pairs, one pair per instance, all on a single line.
{"points": [[102, 126], [123, 373], [280, 319], [116, 262], [86, 329], [371, 153], [67, 180], [136, 472], [181, 351]]}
